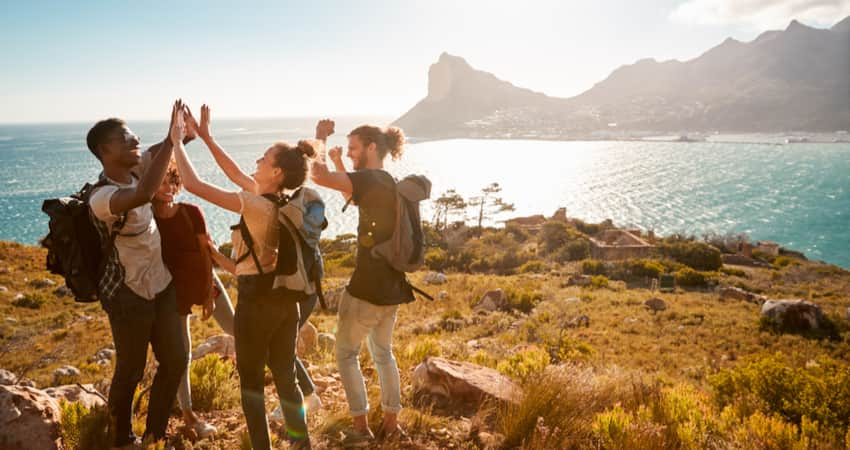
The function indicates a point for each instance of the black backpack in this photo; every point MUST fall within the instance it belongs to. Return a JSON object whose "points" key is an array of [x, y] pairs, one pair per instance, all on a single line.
{"points": [[74, 247]]}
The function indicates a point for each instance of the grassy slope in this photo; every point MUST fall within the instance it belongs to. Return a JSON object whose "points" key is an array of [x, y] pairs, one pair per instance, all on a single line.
{"points": [[673, 346]]}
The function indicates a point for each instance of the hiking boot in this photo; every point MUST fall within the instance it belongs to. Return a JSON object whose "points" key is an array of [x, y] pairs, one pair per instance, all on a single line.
{"points": [[391, 434], [357, 439], [277, 414], [312, 402], [203, 430]]}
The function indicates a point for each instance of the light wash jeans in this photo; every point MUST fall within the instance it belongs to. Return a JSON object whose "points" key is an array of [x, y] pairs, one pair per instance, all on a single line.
{"points": [[360, 319], [223, 314]]}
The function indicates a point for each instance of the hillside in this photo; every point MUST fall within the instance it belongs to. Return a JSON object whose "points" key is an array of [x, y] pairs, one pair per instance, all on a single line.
{"points": [[789, 80], [599, 374]]}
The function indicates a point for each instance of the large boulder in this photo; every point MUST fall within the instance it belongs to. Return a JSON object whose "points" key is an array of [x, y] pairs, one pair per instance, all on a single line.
{"points": [[221, 344], [460, 387], [655, 305], [735, 293], [492, 301], [308, 339], [84, 393], [29, 419], [793, 315]]}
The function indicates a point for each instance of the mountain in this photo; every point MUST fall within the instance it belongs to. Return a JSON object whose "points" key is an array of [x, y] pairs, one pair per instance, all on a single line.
{"points": [[792, 79]]}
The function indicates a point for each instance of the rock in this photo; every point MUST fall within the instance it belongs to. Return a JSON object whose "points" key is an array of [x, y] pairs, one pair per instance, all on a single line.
{"points": [[11, 320], [62, 291], [327, 342], [28, 383], [734, 293], [578, 280], [453, 386], [489, 440], [436, 278], [793, 315], [492, 301], [42, 283], [103, 354], [18, 296], [84, 393], [442, 295], [7, 378], [308, 339], [5, 270], [66, 375], [578, 321], [655, 304], [220, 344], [29, 418], [85, 318], [452, 325], [4, 289], [630, 320]]}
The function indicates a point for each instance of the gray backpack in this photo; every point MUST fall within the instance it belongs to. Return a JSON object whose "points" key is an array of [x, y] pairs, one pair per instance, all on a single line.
{"points": [[405, 250]]}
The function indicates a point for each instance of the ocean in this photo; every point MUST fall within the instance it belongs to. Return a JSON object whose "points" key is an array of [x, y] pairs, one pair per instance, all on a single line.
{"points": [[797, 195]]}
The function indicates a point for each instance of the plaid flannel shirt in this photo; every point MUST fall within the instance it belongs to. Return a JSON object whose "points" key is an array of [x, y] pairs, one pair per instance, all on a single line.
{"points": [[113, 272]]}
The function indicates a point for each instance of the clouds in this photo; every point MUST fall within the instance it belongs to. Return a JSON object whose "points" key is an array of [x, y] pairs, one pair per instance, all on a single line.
{"points": [[761, 15]]}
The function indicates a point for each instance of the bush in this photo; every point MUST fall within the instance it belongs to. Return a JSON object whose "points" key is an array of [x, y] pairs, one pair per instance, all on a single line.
{"points": [[697, 255], [532, 267], [568, 349], [83, 428], [783, 261], [421, 348], [599, 281], [523, 300], [693, 278], [31, 300], [593, 267], [214, 386], [521, 364], [645, 268], [819, 392], [574, 251], [436, 259], [733, 272]]}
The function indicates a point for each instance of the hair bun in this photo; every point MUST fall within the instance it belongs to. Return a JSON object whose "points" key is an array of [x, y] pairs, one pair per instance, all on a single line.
{"points": [[306, 148]]}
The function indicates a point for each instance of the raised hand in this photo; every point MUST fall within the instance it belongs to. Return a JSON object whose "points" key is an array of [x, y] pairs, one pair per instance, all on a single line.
{"points": [[191, 125], [178, 126], [204, 126], [335, 154], [324, 128]]}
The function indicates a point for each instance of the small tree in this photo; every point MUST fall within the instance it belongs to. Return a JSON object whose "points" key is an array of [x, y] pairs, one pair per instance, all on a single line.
{"points": [[449, 203], [489, 204]]}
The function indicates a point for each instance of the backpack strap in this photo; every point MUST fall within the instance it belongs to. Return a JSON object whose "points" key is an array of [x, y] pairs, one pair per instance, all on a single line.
{"points": [[248, 239], [419, 291]]}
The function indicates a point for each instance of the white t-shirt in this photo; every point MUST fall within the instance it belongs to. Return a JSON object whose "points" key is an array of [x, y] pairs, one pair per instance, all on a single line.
{"points": [[260, 215], [138, 243]]}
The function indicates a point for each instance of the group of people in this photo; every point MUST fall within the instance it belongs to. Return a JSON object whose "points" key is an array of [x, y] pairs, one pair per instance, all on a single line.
{"points": [[162, 262]]}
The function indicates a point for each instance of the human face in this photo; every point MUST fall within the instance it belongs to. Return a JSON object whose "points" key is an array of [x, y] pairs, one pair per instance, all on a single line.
{"points": [[267, 172], [167, 190], [123, 147], [356, 152]]}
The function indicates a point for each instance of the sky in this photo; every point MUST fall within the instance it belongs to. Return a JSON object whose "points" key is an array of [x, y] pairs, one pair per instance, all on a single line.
{"points": [[83, 61]]}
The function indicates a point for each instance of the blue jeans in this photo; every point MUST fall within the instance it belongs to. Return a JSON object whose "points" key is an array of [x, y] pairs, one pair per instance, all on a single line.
{"points": [[137, 322], [360, 319], [266, 329]]}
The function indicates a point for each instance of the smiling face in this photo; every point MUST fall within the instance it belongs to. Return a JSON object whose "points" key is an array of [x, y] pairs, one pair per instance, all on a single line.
{"points": [[169, 187], [357, 152], [122, 147], [267, 173]]}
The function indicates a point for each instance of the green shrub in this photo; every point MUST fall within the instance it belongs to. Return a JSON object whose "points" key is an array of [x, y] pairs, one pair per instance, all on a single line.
{"points": [[783, 261], [421, 348], [697, 255], [569, 349], [593, 267], [611, 428], [769, 385], [574, 251], [31, 300], [533, 267], [734, 272], [645, 268], [599, 281], [521, 364], [692, 278], [214, 386], [436, 259], [83, 428], [523, 299]]}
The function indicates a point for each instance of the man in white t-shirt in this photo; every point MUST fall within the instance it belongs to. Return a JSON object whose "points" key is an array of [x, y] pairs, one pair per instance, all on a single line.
{"points": [[135, 289]]}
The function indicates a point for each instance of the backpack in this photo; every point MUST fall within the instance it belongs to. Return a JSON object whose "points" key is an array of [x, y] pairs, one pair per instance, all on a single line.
{"points": [[74, 247], [405, 250], [299, 268]]}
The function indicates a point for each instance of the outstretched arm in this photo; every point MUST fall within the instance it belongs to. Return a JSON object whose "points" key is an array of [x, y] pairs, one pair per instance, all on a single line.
{"points": [[227, 164], [126, 199], [207, 191]]}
